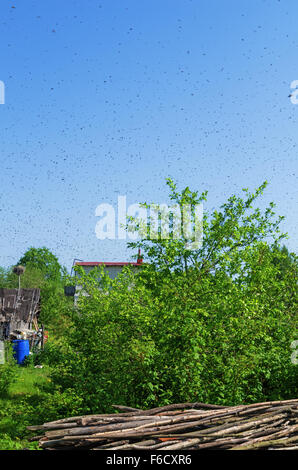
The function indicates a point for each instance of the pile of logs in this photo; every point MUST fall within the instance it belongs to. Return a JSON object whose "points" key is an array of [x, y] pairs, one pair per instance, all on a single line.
{"points": [[268, 425]]}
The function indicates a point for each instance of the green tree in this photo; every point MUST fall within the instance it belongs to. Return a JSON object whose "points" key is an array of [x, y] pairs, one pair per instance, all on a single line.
{"points": [[43, 260], [227, 233], [286, 261]]}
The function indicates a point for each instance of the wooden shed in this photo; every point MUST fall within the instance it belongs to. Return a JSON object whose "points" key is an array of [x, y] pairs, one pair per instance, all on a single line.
{"points": [[19, 310]]}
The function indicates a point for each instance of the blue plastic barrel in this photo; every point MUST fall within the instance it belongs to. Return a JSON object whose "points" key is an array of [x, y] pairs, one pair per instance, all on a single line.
{"points": [[21, 350]]}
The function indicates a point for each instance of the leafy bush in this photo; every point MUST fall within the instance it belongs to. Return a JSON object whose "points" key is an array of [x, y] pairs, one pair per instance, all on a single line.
{"points": [[199, 340], [7, 371], [212, 325]]}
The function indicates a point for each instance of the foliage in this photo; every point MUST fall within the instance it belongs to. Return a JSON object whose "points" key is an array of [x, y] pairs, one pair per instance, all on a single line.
{"points": [[213, 324], [7, 372], [211, 341], [227, 234], [43, 260]]}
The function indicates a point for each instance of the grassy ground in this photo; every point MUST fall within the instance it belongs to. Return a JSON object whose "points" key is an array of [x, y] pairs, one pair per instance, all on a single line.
{"points": [[29, 381], [18, 405]]}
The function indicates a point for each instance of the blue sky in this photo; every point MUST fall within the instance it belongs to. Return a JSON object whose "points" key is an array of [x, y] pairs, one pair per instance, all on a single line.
{"points": [[108, 98]]}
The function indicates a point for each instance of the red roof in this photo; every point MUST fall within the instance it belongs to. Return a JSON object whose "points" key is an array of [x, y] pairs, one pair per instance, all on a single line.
{"points": [[99, 263]]}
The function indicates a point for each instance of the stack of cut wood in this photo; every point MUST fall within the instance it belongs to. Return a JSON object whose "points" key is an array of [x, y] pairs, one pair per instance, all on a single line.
{"points": [[269, 425]]}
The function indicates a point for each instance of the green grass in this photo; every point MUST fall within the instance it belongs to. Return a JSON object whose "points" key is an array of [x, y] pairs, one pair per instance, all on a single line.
{"points": [[29, 381], [17, 407]]}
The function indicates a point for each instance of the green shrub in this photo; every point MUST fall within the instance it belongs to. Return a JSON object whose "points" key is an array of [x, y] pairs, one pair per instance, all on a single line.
{"points": [[213, 324], [8, 371]]}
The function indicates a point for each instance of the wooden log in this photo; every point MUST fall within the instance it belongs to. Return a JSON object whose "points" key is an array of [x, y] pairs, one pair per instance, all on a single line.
{"points": [[255, 443], [109, 445], [275, 442], [161, 428], [188, 425]]}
